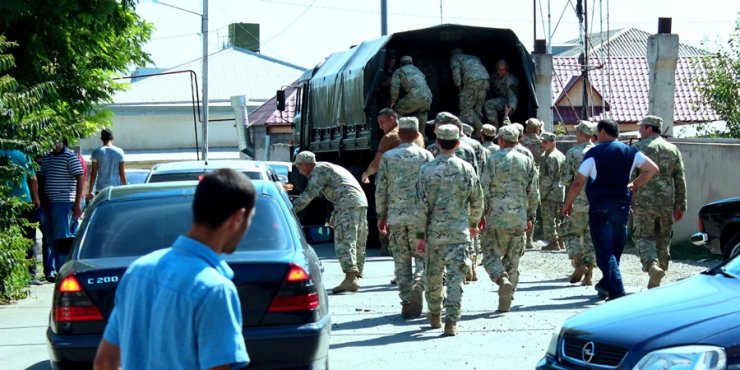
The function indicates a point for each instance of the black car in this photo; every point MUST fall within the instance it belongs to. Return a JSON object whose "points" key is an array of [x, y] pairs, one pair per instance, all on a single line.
{"points": [[277, 274], [719, 227], [692, 324]]}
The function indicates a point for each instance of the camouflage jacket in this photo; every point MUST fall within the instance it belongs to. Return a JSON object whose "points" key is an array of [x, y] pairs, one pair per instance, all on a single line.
{"points": [[551, 171], [523, 149], [481, 153], [463, 151], [573, 159], [336, 184], [412, 80], [466, 69], [491, 146], [505, 87], [667, 190], [533, 142], [510, 185], [450, 201], [395, 184]]}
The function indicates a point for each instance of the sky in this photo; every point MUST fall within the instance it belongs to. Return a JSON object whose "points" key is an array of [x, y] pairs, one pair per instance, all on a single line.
{"points": [[303, 32]]}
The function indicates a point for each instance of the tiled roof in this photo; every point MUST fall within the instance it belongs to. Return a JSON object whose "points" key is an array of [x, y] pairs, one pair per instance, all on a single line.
{"points": [[627, 42], [625, 87], [232, 71], [267, 113]]}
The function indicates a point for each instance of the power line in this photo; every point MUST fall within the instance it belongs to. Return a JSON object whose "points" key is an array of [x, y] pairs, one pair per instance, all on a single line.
{"points": [[291, 23]]}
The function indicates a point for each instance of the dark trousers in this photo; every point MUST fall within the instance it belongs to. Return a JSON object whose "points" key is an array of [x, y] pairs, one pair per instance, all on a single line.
{"points": [[608, 223], [29, 232]]}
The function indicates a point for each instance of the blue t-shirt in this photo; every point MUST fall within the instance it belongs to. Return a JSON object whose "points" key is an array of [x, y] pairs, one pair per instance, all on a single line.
{"points": [[108, 158], [177, 308], [20, 189]]}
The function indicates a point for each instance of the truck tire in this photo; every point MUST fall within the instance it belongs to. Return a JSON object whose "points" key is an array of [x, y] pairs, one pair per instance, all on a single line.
{"points": [[732, 248]]}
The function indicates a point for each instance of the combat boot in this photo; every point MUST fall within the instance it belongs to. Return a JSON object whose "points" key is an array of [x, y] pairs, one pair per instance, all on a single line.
{"points": [[656, 273], [450, 328], [505, 291], [552, 246], [417, 300], [349, 284], [579, 271], [406, 310], [588, 278], [435, 320]]}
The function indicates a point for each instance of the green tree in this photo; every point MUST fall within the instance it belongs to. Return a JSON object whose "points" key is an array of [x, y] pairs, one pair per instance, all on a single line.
{"points": [[720, 85], [80, 46], [23, 114]]}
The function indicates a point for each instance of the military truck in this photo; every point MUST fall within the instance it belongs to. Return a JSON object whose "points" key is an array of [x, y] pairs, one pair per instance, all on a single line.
{"points": [[339, 99]]}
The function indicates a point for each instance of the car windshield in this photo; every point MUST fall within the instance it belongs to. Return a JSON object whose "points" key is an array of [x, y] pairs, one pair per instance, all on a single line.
{"points": [[136, 177], [282, 170], [733, 266], [193, 176], [137, 227]]}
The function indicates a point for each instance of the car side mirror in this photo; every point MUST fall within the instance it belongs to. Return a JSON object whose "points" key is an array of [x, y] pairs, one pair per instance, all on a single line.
{"points": [[318, 234]]}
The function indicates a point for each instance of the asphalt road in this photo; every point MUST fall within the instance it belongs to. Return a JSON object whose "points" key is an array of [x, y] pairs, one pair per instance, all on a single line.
{"points": [[367, 330]]}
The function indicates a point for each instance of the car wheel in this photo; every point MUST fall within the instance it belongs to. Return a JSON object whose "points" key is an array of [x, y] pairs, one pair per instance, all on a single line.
{"points": [[732, 248]]}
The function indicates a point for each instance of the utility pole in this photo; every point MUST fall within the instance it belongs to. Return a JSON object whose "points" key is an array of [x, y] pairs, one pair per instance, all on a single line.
{"points": [[204, 32], [582, 13], [383, 17]]}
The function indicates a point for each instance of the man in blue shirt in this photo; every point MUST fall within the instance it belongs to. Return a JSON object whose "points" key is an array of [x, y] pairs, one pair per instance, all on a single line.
{"points": [[608, 168], [108, 166], [177, 308]]}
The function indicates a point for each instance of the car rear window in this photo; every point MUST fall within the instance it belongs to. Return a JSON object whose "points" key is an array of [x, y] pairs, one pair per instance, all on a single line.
{"points": [[193, 176], [137, 227]]}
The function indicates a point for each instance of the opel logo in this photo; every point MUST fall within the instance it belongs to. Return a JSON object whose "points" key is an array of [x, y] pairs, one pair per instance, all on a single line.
{"points": [[588, 352]]}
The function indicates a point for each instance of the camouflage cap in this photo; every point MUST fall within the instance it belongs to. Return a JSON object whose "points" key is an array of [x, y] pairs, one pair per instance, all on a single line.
{"points": [[305, 157], [488, 130], [586, 127], [448, 132], [456, 51], [651, 120], [533, 122], [406, 59], [518, 127], [446, 117], [408, 123], [509, 133], [467, 129], [548, 136]]}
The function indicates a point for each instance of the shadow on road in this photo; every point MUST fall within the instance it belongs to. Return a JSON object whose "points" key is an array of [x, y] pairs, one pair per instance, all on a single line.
{"points": [[574, 303], [374, 322]]}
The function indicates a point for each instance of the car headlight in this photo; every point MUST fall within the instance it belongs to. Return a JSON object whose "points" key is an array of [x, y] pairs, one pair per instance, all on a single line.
{"points": [[552, 348], [685, 357]]}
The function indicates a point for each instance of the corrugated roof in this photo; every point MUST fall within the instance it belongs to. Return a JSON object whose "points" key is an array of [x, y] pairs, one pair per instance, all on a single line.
{"points": [[625, 87], [232, 71], [626, 42]]}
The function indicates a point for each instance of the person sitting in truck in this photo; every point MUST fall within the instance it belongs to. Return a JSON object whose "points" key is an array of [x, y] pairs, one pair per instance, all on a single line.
{"points": [[418, 97], [504, 87]]}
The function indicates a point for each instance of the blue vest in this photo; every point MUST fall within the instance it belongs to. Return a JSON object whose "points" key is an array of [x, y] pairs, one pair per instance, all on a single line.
{"points": [[613, 166]]}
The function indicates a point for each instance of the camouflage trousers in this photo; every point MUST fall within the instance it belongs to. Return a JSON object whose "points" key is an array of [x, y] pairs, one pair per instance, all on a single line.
{"points": [[350, 238], [411, 104], [403, 249], [472, 96], [501, 253], [652, 231], [495, 106], [455, 260], [551, 210], [577, 237]]}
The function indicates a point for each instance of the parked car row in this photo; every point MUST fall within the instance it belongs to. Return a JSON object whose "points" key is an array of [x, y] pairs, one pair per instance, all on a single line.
{"points": [[276, 271]]}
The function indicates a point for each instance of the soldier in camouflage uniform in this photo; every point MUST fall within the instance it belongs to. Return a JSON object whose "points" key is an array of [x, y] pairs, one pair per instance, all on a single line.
{"points": [[488, 138], [481, 155], [418, 97], [464, 151], [660, 202], [395, 203], [510, 185], [450, 205], [574, 230], [519, 147], [532, 141], [552, 192], [339, 187], [471, 77], [504, 87]]}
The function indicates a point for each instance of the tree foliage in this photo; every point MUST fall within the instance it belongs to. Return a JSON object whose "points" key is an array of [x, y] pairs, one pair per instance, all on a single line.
{"points": [[720, 85]]}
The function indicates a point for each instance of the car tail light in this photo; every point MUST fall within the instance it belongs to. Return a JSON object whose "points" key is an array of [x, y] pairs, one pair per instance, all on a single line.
{"points": [[71, 303], [298, 292], [701, 226]]}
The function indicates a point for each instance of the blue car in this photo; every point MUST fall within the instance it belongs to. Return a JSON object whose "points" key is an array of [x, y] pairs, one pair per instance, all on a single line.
{"points": [[691, 324], [277, 274]]}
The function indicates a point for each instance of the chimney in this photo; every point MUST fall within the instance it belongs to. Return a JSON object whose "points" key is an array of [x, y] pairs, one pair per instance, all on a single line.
{"points": [[245, 36]]}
